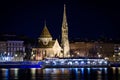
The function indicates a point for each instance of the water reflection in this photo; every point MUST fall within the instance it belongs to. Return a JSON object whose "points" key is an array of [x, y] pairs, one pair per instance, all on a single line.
{"points": [[14, 73], [118, 73], [99, 72], [5, 74], [33, 73], [60, 74]]}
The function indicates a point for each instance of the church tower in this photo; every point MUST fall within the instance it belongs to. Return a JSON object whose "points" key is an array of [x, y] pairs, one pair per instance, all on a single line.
{"points": [[65, 40], [45, 36]]}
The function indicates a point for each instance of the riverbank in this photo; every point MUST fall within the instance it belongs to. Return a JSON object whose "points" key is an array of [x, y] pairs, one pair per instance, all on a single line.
{"points": [[21, 64], [115, 64]]}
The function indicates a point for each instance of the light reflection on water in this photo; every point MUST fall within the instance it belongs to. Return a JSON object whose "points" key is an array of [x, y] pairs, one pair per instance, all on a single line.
{"points": [[60, 74], [33, 73], [13, 73], [5, 73]]}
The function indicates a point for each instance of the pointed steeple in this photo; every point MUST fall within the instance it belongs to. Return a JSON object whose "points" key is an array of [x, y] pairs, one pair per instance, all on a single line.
{"points": [[45, 33], [65, 40], [64, 17]]}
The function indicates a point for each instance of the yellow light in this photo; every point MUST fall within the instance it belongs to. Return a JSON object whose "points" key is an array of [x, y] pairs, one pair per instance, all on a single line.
{"points": [[113, 55], [106, 58], [119, 53], [99, 55]]}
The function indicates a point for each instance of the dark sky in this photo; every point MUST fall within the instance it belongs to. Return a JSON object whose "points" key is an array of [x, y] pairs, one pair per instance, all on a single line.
{"points": [[86, 18]]}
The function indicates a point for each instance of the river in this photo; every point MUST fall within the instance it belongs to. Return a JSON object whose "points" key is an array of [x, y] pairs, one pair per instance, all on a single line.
{"points": [[112, 73]]}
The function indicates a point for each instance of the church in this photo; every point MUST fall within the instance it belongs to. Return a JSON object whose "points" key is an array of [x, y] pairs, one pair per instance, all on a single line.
{"points": [[49, 48]]}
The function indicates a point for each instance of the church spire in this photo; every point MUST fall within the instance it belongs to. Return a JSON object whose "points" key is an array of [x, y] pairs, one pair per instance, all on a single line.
{"points": [[64, 17], [45, 23], [65, 40]]}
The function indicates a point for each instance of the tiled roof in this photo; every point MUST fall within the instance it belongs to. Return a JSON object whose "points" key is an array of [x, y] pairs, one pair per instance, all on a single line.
{"points": [[45, 33]]}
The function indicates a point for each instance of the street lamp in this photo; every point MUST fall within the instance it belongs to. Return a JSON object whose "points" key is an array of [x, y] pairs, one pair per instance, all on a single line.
{"points": [[114, 57], [106, 58], [16, 55], [99, 55]]}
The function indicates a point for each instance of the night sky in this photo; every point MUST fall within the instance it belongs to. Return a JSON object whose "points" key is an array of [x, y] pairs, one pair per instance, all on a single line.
{"points": [[86, 18]]}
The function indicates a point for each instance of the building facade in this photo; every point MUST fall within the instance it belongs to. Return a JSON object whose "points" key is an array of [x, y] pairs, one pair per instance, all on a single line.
{"points": [[12, 50], [15, 47], [116, 52], [82, 49], [3, 47], [94, 49]]}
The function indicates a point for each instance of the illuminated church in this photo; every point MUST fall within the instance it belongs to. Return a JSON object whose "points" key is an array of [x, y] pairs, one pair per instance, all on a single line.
{"points": [[49, 48]]}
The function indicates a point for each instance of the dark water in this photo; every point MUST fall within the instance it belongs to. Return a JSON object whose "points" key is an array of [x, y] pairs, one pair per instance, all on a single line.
{"points": [[60, 74]]}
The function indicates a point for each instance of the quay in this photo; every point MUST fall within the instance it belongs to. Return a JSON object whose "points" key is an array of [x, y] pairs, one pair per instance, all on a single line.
{"points": [[115, 64], [60, 63], [21, 64]]}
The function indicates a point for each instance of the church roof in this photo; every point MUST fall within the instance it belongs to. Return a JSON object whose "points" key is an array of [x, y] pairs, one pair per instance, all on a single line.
{"points": [[49, 45], [45, 33]]}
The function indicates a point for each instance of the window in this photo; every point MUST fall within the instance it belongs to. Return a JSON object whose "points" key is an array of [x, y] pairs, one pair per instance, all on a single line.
{"points": [[45, 42]]}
